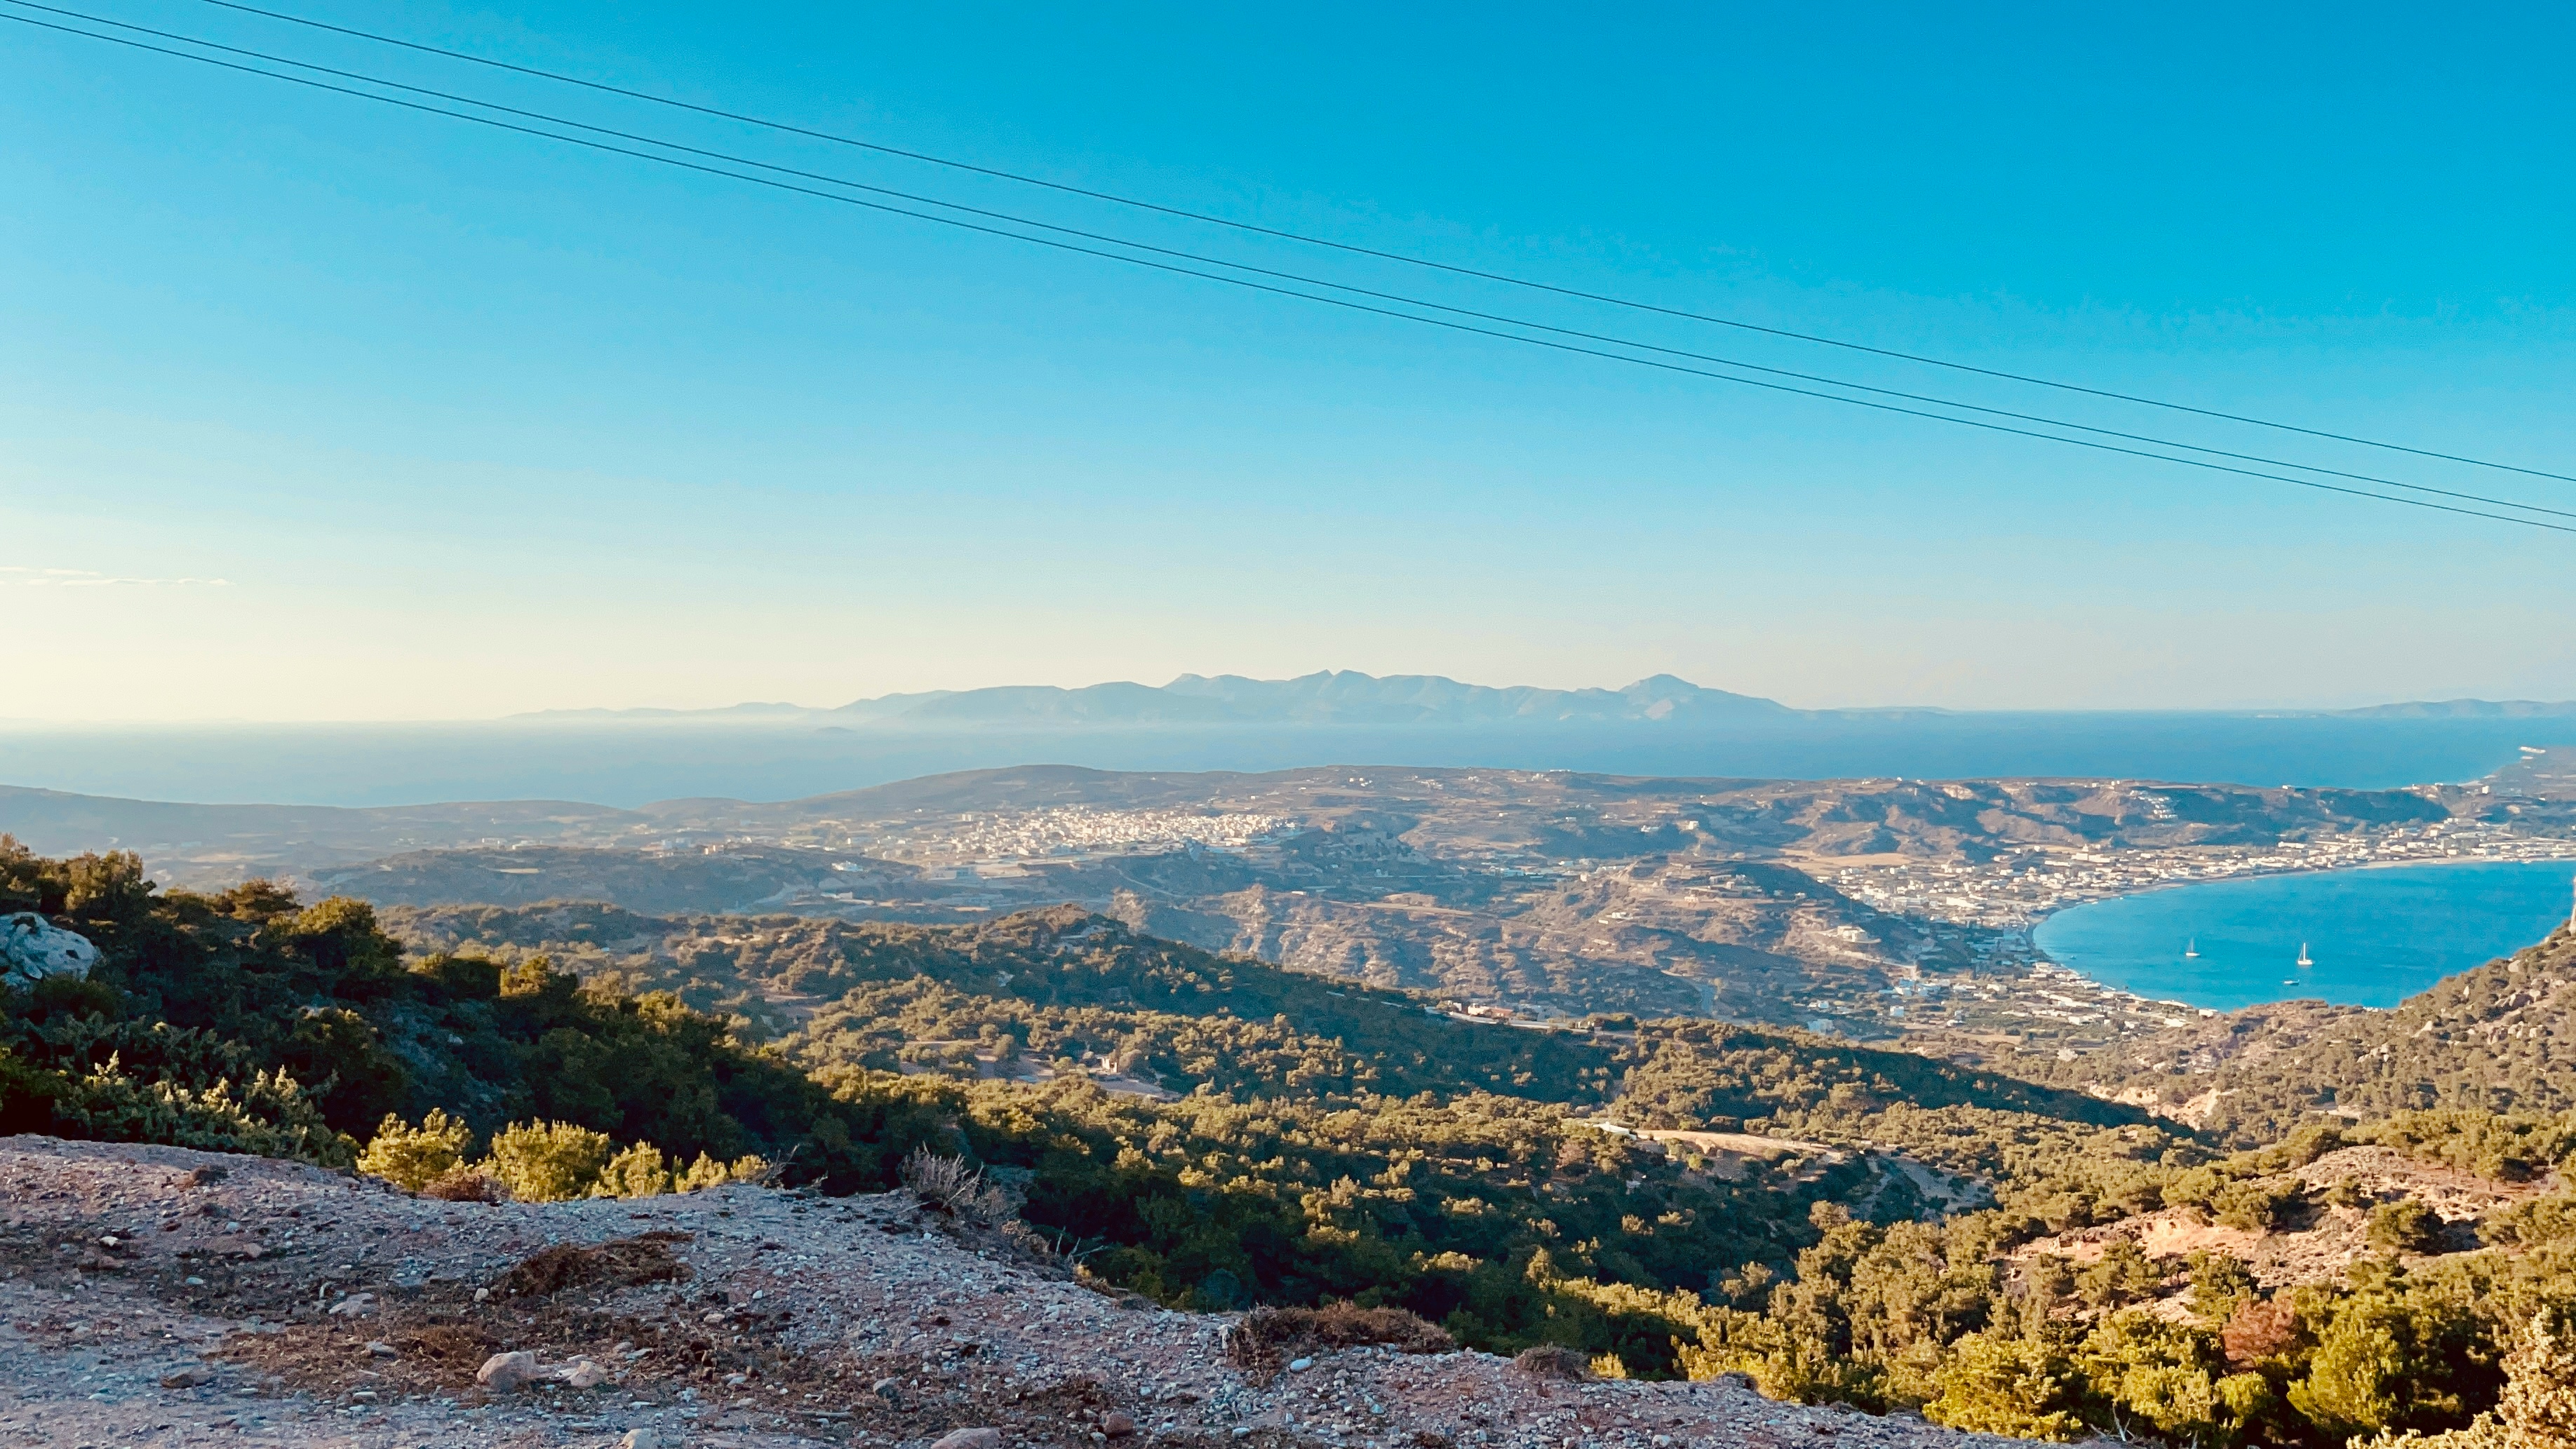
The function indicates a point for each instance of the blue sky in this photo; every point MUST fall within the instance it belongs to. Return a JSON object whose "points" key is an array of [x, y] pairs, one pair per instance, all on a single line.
{"points": [[467, 423]]}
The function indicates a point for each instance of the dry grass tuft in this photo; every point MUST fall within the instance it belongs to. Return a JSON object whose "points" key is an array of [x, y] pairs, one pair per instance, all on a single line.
{"points": [[1268, 1337], [466, 1184], [1553, 1361], [617, 1263], [946, 1184], [448, 1345]]}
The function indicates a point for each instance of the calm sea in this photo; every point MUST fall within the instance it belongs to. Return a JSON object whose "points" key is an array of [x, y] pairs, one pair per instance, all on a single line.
{"points": [[2377, 935], [396, 764]]}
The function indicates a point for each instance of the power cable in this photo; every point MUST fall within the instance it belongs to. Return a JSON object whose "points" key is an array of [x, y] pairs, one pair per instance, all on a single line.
{"points": [[1406, 259], [1240, 282], [1299, 278]]}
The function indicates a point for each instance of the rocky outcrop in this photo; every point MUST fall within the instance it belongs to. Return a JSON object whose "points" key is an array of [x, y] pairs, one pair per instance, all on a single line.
{"points": [[33, 948]]}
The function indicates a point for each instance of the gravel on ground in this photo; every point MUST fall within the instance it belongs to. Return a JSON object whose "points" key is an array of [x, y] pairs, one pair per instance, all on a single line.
{"points": [[162, 1297]]}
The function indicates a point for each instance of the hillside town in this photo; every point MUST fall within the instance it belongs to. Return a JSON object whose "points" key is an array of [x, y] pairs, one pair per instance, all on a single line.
{"points": [[1078, 831], [2015, 888]]}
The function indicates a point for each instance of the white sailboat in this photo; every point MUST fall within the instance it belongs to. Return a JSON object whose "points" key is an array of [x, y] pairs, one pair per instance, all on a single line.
{"points": [[2191, 950], [2304, 958]]}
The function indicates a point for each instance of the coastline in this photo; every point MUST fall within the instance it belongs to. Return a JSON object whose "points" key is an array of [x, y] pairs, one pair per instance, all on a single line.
{"points": [[2566, 853], [2006, 992], [2031, 930], [2335, 986], [2016, 888]]}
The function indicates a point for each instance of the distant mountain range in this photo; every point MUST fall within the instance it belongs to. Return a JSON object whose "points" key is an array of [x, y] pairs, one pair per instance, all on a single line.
{"points": [[1328, 697], [1348, 697]]}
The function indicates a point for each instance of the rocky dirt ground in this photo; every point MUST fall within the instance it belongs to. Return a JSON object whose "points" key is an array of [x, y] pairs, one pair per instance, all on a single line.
{"points": [[157, 1296]]}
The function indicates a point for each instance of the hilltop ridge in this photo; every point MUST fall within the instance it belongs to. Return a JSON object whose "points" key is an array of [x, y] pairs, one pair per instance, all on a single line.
{"points": [[1856, 906]]}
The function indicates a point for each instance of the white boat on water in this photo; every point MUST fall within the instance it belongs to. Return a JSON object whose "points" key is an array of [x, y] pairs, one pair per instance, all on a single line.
{"points": [[2191, 951], [2304, 958]]}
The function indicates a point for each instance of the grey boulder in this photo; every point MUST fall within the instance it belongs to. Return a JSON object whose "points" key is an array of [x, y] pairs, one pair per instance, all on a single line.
{"points": [[33, 948]]}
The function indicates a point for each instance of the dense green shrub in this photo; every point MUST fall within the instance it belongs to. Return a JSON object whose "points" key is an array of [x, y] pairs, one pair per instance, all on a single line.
{"points": [[637, 1171], [267, 1116], [246, 1021], [2540, 1222], [2256, 1206], [414, 1157], [547, 1161], [2123, 1275], [2404, 1226], [1991, 1383], [2509, 1147]]}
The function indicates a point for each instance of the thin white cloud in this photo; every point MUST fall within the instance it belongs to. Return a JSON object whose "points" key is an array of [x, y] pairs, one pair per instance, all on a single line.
{"points": [[36, 578]]}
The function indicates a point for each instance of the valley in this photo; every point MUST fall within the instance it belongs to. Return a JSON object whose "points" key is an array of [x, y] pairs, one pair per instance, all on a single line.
{"points": [[1874, 909], [2191, 1230]]}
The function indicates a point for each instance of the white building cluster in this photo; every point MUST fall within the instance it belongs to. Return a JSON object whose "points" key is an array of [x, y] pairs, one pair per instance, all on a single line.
{"points": [[2017, 889], [1082, 830]]}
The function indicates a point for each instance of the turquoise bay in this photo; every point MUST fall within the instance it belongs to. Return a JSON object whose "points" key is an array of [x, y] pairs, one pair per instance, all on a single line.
{"points": [[2377, 935]]}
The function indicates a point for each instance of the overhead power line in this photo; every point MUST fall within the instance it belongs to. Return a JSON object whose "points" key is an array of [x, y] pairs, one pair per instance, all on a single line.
{"points": [[1240, 282], [1279, 275], [1407, 259]]}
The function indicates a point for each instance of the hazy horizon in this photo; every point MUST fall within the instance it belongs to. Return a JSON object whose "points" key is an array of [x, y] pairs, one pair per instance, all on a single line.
{"points": [[632, 764], [721, 712]]}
